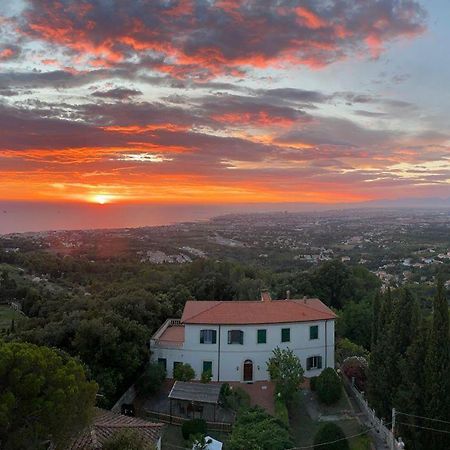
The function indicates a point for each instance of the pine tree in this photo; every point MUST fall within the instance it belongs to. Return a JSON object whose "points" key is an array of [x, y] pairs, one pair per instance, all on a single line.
{"points": [[438, 369]]}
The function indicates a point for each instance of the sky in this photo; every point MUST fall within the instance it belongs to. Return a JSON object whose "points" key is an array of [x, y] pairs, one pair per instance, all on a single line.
{"points": [[223, 102]]}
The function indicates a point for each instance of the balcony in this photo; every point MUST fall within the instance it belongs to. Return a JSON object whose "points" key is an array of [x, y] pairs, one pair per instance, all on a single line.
{"points": [[169, 335]]}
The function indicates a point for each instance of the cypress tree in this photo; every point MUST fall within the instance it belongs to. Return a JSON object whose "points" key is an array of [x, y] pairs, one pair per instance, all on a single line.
{"points": [[381, 362], [438, 371], [409, 397], [376, 311]]}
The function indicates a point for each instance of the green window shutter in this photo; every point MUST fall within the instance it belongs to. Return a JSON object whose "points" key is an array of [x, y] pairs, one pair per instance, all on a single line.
{"points": [[262, 336], [308, 363], [285, 335], [214, 337], [319, 362], [207, 366], [202, 336], [314, 332], [241, 337]]}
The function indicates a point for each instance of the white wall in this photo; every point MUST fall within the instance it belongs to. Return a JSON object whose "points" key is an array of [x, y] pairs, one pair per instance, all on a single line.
{"points": [[232, 356]]}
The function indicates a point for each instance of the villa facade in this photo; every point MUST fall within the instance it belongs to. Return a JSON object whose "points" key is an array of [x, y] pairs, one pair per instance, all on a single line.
{"points": [[234, 339]]}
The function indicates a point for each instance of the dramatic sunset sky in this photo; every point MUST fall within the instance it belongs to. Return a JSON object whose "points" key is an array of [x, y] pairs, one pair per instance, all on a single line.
{"points": [[219, 102]]}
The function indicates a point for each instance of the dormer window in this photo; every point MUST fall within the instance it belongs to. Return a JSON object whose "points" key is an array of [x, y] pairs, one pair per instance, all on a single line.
{"points": [[236, 337], [208, 336]]}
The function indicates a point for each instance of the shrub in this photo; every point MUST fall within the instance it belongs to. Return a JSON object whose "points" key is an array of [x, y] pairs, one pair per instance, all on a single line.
{"points": [[193, 427], [313, 383], [345, 348], [329, 386], [127, 440], [356, 367], [184, 372], [255, 428], [237, 399], [330, 432], [286, 371], [151, 380], [281, 411], [206, 376], [225, 391]]}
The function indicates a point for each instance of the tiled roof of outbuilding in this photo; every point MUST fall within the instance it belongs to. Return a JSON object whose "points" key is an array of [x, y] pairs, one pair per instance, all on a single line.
{"points": [[107, 423]]}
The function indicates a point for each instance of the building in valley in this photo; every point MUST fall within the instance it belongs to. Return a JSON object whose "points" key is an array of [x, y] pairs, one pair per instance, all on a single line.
{"points": [[234, 339]]}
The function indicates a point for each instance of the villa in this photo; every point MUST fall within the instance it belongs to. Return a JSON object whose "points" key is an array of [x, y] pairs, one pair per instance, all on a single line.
{"points": [[234, 339]]}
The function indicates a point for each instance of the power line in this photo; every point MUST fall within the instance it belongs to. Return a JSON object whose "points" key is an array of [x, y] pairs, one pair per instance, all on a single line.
{"points": [[337, 440], [423, 428], [422, 417]]}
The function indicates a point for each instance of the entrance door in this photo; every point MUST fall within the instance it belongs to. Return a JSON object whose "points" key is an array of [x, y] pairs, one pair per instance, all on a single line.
{"points": [[248, 370]]}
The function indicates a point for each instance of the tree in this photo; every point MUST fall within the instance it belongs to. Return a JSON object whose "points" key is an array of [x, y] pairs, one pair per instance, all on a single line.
{"points": [[183, 372], [329, 386], [151, 380], [127, 440], [44, 395], [193, 427], [376, 311], [355, 321], [438, 368], [255, 429], [331, 281], [330, 432], [345, 348], [286, 370], [409, 396], [382, 362]]}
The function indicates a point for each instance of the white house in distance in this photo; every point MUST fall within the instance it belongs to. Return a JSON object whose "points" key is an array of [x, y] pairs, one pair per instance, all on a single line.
{"points": [[235, 339]]}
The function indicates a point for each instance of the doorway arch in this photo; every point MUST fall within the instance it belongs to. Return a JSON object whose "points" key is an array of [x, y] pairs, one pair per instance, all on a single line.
{"points": [[248, 370]]}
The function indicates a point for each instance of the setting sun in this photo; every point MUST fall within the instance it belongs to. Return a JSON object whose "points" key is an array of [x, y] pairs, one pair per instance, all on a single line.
{"points": [[101, 199]]}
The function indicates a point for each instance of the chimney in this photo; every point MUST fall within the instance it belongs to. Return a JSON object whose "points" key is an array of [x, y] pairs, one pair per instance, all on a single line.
{"points": [[288, 294], [304, 299], [265, 296]]}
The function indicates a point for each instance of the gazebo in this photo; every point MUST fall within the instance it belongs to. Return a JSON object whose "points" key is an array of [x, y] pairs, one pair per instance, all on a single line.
{"points": [[191, 397]]}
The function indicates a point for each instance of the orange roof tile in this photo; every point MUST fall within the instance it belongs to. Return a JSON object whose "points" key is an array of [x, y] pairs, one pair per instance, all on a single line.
{"points": [[174, 333], [255, 312], [107, 423]]}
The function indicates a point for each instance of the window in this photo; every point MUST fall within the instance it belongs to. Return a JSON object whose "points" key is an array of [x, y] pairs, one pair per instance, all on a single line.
{"points": [[163, 362], [285, 335], [208, 336], [235, 337], [207, 366], [262, 336], [314, 332], [314, 362], [176, 364]]}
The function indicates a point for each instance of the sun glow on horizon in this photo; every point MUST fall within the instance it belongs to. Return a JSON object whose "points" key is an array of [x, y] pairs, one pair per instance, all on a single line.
{"points": [[102, 199]]}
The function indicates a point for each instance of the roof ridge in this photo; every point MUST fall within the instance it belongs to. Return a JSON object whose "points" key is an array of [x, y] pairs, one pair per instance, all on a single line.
{"points": [[217, 302], [129, 425], [314, 309]]}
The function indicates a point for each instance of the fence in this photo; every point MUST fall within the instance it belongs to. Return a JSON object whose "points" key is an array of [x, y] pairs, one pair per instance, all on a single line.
{"points": [[127, 397], [177, 420], [377, 424]]}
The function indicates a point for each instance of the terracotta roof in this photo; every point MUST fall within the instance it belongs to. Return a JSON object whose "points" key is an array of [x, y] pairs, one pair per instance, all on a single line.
{"points": [[107, 423], [174, 333], [255, 312]]}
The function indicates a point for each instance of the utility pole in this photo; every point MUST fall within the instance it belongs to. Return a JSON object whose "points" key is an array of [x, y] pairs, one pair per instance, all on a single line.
{"points": [[393, 429]]}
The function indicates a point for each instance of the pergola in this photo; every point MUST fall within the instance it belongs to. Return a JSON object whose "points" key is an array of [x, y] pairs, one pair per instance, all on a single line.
{"points": [[195, 395]]}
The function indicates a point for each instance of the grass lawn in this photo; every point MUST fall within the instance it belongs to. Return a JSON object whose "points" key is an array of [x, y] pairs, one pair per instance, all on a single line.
{"points": [[303, 428], [172, 437], [7, 314]]}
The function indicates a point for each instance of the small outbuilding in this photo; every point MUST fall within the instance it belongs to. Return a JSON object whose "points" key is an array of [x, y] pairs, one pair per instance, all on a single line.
{"points": [[190, 398]]}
